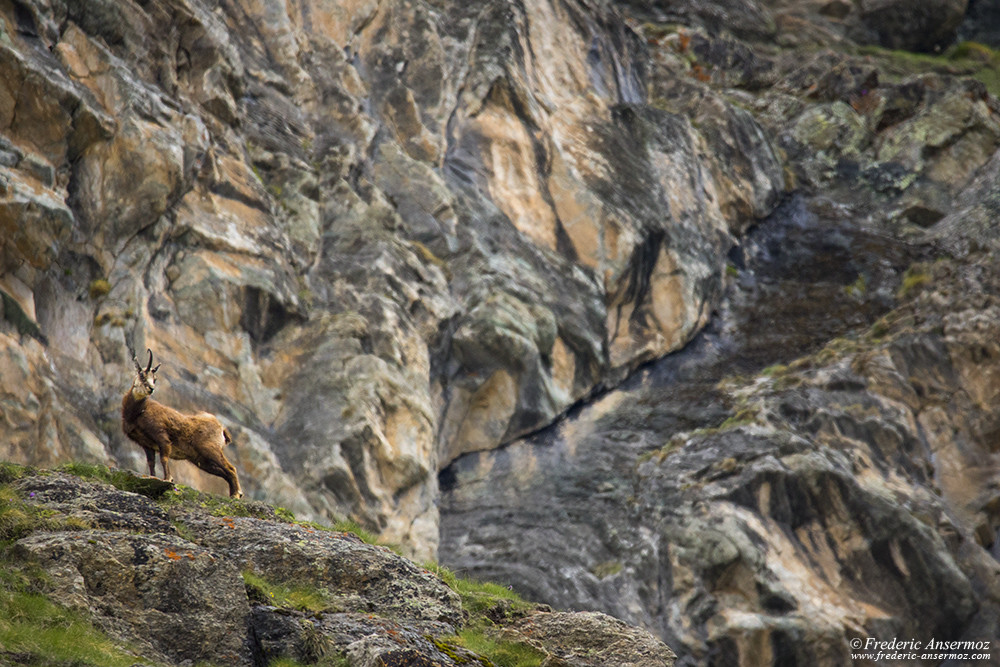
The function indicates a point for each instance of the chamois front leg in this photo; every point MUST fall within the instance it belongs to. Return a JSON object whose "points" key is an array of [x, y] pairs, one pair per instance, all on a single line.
{"points": [[151, 460], [164, 457]]}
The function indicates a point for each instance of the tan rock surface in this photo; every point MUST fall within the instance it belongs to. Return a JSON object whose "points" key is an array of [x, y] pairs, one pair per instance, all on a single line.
{"points": [[453, 223]]}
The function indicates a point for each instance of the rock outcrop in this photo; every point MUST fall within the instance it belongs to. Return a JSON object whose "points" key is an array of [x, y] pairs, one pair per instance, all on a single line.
{"points": [[172, 577], [370, 237]]}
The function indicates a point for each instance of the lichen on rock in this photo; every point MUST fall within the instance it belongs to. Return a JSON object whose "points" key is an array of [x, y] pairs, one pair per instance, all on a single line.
{"points": [[171, 576]]}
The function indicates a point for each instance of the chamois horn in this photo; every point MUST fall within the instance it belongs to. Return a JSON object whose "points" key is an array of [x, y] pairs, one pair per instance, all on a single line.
{"points": [[149, 366]]}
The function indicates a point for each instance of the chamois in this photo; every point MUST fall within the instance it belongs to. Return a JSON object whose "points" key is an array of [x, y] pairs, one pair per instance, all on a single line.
{"points": [[159, 429]]}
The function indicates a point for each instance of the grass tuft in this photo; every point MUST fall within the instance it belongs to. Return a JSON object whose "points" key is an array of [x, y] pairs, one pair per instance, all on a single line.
{"points": [[353, 527], [497, 650], [486, 603], [19, 519], [299, 597], [98, 288], [10, 472], [915, 278], [39, 632], [124, 480]]}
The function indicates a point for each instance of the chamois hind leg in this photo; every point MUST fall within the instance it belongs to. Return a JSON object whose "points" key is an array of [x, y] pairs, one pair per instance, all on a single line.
{"points": [[235, 490], [224, 469]]}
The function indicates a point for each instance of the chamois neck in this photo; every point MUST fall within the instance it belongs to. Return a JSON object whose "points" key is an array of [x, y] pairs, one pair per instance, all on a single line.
{"points": [[134, 401]]}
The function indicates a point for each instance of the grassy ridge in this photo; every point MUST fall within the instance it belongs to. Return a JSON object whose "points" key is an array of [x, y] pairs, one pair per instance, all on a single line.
{"points": [[36, 631]]}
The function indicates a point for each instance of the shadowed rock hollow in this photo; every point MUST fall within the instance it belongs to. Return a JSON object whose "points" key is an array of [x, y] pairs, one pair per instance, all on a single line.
{"points": [[691, 305]]}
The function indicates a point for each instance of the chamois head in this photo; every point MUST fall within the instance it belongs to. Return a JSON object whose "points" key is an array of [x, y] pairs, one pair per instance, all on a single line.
{"points": [[145, 379]]}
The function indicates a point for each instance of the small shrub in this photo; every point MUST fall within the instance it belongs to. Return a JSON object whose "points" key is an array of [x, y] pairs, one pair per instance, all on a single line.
{"points": [[98, 288]]}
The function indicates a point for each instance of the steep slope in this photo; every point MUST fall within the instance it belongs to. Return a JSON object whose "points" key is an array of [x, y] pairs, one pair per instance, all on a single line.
{"points": [[370, 236]]}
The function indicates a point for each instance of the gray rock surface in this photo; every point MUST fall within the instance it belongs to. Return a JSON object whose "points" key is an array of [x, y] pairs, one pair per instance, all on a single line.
{"points": [[369, 237], [678, 311], [799, 473], [151, 589], [175, 577]]}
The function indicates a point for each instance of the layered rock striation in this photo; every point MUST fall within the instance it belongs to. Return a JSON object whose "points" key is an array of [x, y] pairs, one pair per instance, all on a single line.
{"points": [[818, 465], [370, 237]]}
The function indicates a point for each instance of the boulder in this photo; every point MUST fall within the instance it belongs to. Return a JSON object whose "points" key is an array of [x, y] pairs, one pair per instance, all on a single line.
{"points": [[930, 27], [151, 589], [591, 639], [174, 577]]}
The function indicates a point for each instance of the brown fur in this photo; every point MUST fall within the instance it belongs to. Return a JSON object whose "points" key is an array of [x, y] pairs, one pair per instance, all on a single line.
{"points": [[160, 429]]}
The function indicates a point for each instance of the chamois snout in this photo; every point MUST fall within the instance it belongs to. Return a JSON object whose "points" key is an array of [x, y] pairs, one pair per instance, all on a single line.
{"points": [[160, 429]]}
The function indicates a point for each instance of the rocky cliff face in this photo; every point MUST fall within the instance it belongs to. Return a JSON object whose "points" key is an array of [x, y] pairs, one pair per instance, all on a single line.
{"points": [[819, 465], [371, 237], [383, 240]]}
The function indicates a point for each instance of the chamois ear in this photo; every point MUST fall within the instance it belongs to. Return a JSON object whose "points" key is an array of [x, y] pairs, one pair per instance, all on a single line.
{"points": [[157, 368]]}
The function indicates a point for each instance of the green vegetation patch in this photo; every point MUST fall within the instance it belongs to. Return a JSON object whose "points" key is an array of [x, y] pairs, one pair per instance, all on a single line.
{"points": [[12, 471], [914, 279], [491, 645], [487, 605], [607, 569], [337, 660], [19, 519], [98, 288], [34, 631], [181, 497], [125, 480], [478, 597], [299, 597], [966, 59], [178, 496], [353, 527]]}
